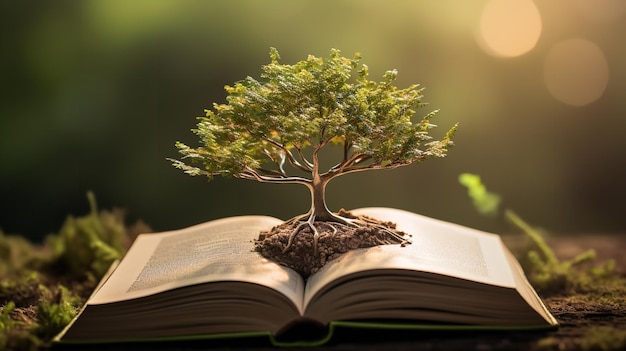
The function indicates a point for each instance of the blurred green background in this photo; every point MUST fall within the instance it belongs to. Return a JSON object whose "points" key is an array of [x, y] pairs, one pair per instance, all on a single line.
{"points": [[95, 93]]}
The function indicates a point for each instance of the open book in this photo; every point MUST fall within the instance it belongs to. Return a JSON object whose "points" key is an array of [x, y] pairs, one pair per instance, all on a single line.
{"points": [[206, 281]]}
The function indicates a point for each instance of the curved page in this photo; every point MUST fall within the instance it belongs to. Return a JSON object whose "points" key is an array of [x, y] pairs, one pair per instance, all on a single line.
{"points": [[437, 247], [220, 250]]}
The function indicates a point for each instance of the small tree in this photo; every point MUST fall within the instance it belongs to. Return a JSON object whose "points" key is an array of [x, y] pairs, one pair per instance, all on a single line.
{"points": [[274, 130]]}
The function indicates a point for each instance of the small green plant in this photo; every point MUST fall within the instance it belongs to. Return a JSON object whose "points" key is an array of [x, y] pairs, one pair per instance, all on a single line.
{"points": [[89, 244], [551, 274], [485, 202], [547, 272], [276, 130]]}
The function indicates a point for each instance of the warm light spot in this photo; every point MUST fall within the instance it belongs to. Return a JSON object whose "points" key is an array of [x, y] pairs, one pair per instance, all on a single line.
{"points": [[576, 72], [509, 27]]}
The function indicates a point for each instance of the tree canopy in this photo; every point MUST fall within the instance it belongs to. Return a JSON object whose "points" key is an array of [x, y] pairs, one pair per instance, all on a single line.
{"points": [[273, 129]]}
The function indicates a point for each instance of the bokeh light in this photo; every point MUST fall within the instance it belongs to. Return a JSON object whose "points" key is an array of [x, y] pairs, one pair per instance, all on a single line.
{"points": [[509, 28], [95, 93], [576, 72]]}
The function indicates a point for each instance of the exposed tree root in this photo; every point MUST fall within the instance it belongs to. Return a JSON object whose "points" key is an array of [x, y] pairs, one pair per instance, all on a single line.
{"points": [[306, 245], [343, 221]]}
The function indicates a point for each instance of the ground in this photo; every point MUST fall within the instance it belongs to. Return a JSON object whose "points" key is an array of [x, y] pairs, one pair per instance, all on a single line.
{"points": [[38, 296], [594, 319], [587, 322]]}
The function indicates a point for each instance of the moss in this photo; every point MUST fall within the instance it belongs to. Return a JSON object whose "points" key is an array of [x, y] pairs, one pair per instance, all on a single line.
{"points": [[89, 244], [552, 275], [18, 255], [16, 329], [42, 287], [57, 307]]}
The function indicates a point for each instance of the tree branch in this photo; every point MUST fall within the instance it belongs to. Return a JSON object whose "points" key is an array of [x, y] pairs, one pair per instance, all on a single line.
{"points": [[324, 142], [280, 164], [292, 160], [347, 164], [304, 159], [372, 166], [273, 172], [251, 174], [347, 145]]}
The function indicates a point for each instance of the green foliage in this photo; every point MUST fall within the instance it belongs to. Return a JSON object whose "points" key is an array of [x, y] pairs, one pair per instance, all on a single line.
{"points": [[16, 333], [89, 244], [42, 287], [55, 310], [20, 287], [485, 202], [299, 109], [546, 271], [551, 275], [29, 327], [5, 321], [11, 335], [16, 252]]}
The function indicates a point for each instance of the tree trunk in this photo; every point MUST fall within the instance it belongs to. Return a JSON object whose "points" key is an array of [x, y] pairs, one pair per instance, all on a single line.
{"points": [[319, 210]]}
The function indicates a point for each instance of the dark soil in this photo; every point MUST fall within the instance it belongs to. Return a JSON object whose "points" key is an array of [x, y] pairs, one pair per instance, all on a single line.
{"points": [[587, 322], [334, 239]]}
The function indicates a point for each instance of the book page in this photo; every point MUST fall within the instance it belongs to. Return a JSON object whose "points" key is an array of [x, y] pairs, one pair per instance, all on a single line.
{"points": [[437, 247], [220, 250]]}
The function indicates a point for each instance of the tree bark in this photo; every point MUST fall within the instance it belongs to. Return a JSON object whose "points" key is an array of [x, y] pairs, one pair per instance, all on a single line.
{"points": [[319, 210]]}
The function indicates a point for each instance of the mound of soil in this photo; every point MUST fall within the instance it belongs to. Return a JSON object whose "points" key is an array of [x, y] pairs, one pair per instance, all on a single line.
{"points": [[334, 239]]}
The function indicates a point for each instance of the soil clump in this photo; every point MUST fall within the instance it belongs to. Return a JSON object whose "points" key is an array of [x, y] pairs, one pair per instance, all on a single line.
{"points": [[334, 239]]}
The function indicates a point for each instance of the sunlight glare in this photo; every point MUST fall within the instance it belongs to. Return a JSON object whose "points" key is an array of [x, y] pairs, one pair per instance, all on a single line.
{"points": [[509, 28]]}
